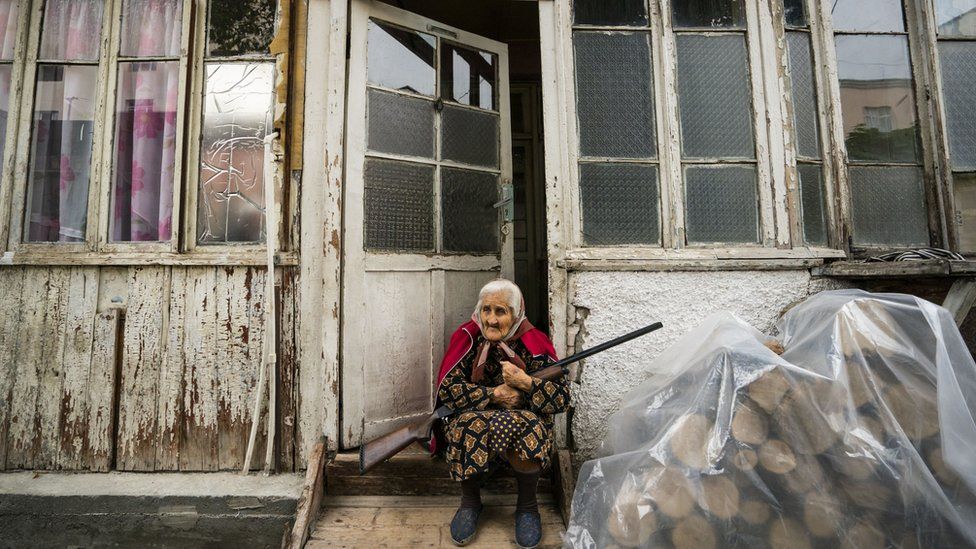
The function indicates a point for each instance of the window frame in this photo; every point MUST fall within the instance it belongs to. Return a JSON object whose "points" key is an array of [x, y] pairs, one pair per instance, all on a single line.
{"points": [[98, 248]]}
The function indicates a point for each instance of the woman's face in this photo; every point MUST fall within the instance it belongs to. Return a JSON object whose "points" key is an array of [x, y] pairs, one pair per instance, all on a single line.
{"points": [[496, 316]]}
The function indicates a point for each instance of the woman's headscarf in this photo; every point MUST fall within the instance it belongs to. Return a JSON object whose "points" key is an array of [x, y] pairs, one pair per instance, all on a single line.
{"points": [[515, 302]]}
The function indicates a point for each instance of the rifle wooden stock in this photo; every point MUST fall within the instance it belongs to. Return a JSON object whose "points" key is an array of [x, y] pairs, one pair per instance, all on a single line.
{"points": [[383, 448]]}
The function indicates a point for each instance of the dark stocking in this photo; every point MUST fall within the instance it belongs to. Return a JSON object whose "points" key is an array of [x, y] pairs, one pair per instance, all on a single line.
{"points": [[527, 484], [471, 493]]}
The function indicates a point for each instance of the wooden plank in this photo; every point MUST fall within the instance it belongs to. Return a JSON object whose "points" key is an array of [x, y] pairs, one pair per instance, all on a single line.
{"points": [[232, 365], [565, 482], [251, 369], [960, 300], [74, 450], [38, 255], [24, 425], [169, 402], [198, 442], [103, 389], [141, 358], [855, 269], [52, 344], [287, 365], [310, 501], [11, 316]]}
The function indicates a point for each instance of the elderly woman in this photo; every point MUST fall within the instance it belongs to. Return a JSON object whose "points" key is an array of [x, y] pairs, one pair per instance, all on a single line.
{"points": [[503, 415]]}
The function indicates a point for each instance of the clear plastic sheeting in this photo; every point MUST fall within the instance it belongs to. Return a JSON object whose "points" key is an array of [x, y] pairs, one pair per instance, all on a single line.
{"points": [[861, 435]]}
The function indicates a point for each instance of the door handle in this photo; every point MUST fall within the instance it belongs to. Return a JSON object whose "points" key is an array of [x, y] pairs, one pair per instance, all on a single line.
{"points": [[507, 203]]}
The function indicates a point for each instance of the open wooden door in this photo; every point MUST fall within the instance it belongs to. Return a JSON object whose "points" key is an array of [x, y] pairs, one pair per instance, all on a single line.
{"points": [[427, 205]]}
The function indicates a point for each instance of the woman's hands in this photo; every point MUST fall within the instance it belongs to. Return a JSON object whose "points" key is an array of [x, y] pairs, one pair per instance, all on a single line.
{"points": [[516, 377], [506, 397]]}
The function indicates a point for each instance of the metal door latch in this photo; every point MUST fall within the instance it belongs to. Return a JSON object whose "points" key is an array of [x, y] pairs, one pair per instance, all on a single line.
{"points": [[507, 202]]}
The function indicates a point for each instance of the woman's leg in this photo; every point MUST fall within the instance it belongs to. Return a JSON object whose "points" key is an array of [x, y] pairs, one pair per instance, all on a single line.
{"points": [[528, 523]]}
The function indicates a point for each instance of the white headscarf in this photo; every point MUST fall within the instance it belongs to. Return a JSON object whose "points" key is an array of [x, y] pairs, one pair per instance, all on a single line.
{"points": [[515, 302]]}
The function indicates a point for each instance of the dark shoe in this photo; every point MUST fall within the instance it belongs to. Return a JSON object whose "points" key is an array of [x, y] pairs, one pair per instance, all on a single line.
{"points": [[528, 529], [464, 525]]}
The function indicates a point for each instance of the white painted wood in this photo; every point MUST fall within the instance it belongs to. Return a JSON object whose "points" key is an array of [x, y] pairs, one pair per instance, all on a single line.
{"points": [[76, 366], [11, 318], [102, 390], [960, 300], [169, 403], [13, 133], [394, 304], [22, 431], [50, 255]]}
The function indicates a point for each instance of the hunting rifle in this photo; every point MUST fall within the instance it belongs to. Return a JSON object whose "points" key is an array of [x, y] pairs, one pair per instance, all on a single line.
{"points": [[378, 450]]}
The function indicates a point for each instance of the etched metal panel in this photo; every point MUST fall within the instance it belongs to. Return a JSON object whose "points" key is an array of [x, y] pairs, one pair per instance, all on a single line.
{"points": [[709, 13], [619, 204], [804, 96], [812, 204], [714, 97], [399, 205], [400, 59], [470, 220], [601, 12], [614, 95], [721, 204], [868, 15], [888, 206], [469, 137], [959, 83], [956, 17], [398, 124]]}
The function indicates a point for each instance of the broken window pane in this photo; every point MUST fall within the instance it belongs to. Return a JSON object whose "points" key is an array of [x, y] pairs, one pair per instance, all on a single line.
{"points": [[888, 206], [965, 193], [468, 76], [709, 13], [713, 96], [399, 205], [805, 120], [795, 13], [812, 204], [72, 30], [956, 17], [470, 219], [145, 151], [240, 27], [602, 12], [9, 15], [877, 98], [614, 95], [867, 15], [469, 137], [399, 124], [619, 204], [721, 204], [959, 84], [151, 27], [400, 59], [237, 113], [61, 146]]}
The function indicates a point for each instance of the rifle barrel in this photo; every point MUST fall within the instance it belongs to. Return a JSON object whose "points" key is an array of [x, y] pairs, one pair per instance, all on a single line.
{"points": [[607, 344]]}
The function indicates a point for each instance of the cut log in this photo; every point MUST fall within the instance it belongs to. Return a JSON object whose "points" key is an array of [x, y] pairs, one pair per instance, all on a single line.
{"points": [[775, 346], [822, 514], [874, 427], [632, 521], [720, 497], [754, 512], [749, 423], [871, 496], [864, 384], [693, 532], [689, 440], [915, 409], [671, 492], [788, 534], [769, 389], [744, 459], [807, 475], [806, 426], [863, 534], [855, 461], [776, 456], [942, 471]]}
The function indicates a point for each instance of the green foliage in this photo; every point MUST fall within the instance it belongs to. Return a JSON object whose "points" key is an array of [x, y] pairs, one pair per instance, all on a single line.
{"points": [[871, 144], [240, 27]]}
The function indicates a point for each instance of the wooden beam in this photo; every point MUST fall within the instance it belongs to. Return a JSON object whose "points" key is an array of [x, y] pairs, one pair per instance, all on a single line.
{"points": [[960, 300], [565, 482], [310, 501]]}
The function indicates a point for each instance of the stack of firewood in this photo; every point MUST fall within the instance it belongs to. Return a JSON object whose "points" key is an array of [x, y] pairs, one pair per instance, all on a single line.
{"points": [[789, 459]]}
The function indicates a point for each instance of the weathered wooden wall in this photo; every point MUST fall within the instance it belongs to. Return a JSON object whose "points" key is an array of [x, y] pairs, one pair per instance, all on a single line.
{"points": [[140, 368]]}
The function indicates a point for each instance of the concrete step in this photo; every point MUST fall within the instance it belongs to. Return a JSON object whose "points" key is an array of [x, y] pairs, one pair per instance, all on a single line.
{"points": [[422, 522], [412, 472]]}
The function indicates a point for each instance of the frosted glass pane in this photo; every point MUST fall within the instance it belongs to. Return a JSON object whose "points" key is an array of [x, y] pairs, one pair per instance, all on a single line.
{"points": [[237, 27], [237, 115], [965, 194], [468, 76], [888, 206], [71, 29], [602, 12], [144, 156], [959, 85], [399, 205], [400, 59], [469, 216], [714, 98], [469, 137], [868, 15], [956, 17], [619, 204], [877, 98], [151, 27], [709, 13], [61, 147], [614, 95], [9, 15], [721, 204], [812, 204], [400, 125], [804, 97]]}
